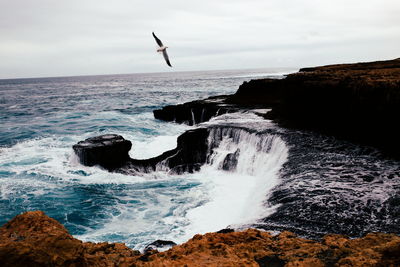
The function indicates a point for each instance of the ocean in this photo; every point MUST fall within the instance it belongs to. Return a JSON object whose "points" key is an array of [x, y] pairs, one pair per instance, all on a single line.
{"points": [[283, 179], [41, 118]]}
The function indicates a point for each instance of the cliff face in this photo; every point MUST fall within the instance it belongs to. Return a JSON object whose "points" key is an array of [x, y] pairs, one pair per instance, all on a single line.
{"points": [[33, 239], [359, 102]]}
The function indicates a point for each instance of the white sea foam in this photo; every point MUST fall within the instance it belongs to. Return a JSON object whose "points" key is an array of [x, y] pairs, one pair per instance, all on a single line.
{"points": [[153, 146], [217, 200], [157, 205], [237, 197]]}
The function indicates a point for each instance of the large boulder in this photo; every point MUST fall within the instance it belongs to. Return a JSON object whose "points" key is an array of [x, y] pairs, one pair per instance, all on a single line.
{"points": [[109, 151]]}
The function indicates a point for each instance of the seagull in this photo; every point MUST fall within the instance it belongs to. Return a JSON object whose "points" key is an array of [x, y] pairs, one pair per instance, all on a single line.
{"points": [[162, 49]]}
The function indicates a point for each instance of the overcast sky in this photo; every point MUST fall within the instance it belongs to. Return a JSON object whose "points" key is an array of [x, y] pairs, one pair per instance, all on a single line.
{"points": [[42, 38]]}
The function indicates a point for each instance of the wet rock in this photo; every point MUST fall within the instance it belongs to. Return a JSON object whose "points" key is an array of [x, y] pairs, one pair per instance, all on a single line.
{"points": [[191, 150], [230, 161], [159, 245], [225, 231], [339, 100], [189, 155], [109, 151], [195, 112]]}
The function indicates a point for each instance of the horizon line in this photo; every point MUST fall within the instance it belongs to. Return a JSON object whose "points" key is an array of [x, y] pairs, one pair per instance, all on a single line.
{"points": [[158, 72]]}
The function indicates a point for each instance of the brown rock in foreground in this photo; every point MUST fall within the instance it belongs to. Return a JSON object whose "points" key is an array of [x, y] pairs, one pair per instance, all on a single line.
{"points": [[33, 239]]}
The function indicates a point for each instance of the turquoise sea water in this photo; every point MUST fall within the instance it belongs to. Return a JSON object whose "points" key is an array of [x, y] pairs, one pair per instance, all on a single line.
{"points": [[42, 118]]}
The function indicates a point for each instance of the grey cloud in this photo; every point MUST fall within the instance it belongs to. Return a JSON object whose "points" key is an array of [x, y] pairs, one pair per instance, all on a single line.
{"points": [[52, 38]]}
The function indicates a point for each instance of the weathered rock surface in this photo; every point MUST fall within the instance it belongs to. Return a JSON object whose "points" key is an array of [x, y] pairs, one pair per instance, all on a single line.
{"points": [[359, 102], [33, 239], [195, 112], [111, 152], [189, 155]]}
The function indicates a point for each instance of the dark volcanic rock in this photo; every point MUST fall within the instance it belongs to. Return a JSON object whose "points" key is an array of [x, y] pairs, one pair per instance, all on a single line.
{"points": [[189, 155], [198, 111], [110, 151], [191, 151], [358, 102], [264, 92], [230, 161], [194, 112], [226, 231]]}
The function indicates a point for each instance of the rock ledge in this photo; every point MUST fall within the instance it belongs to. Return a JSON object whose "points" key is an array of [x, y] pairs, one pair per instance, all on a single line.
{"points": [[33, 239]]}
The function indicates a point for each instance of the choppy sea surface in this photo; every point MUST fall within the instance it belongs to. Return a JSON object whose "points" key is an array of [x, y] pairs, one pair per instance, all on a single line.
{"points": [[41, 118], [280, 179]]}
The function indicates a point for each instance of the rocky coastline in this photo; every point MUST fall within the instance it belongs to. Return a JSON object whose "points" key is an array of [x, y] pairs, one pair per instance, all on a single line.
{"points": [[34, 239], [356, 102], [111, 153]]}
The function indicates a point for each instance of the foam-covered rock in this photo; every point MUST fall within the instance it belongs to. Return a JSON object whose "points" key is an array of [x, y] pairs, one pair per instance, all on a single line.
{"points": [[111, 152]]}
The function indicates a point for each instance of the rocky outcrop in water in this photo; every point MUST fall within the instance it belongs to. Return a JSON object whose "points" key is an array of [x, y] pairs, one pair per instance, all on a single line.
{"points": [[189, 155], [195, 112], [111, 152], [33, 239], [359, 102]]}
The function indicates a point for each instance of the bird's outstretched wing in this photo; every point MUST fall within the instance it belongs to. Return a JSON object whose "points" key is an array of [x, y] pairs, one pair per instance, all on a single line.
{"points": [[157, 40], [166, 57]]}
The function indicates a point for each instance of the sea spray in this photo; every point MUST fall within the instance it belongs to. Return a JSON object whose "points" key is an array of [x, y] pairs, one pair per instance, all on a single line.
{"points": [[237, 196], [43, 118], [176, 207]]}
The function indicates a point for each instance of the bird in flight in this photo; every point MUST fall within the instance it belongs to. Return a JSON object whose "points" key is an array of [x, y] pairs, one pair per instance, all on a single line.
{"points": [[162, 49]]}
